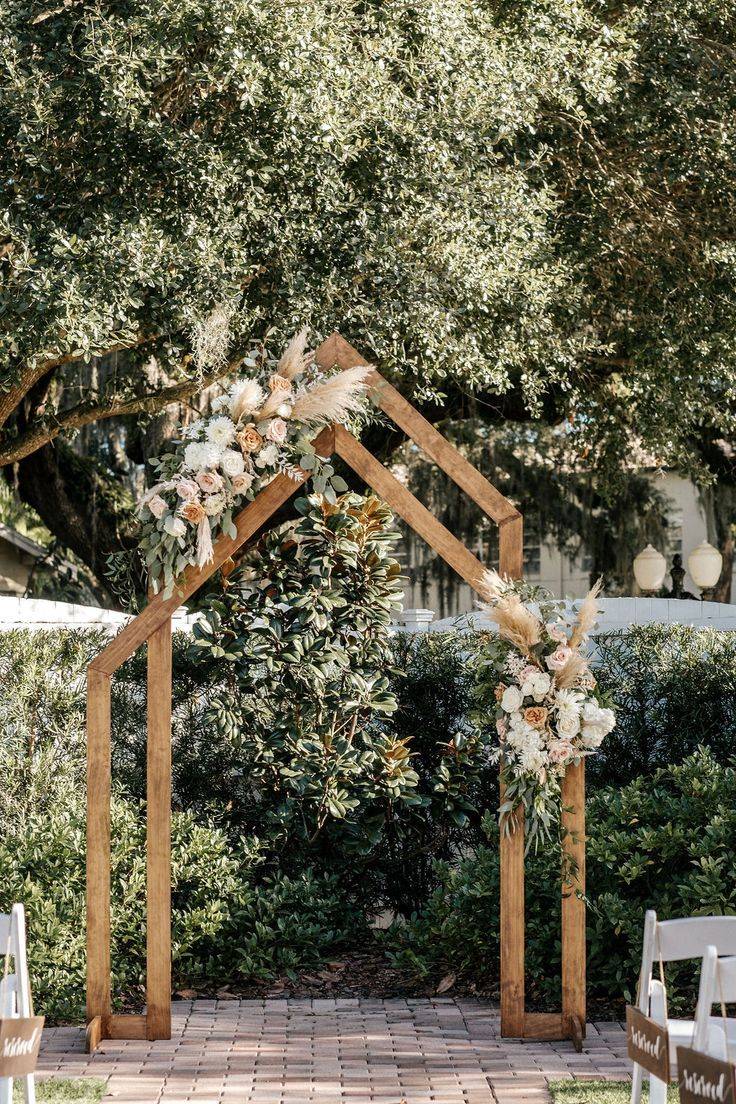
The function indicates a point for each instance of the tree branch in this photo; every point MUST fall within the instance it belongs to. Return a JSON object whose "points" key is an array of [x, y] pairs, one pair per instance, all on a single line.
{"points": [[11, 399], [78, 416]]}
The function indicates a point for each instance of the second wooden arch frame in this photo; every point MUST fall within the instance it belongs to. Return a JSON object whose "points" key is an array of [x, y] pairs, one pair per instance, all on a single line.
{"points": [[153, 626]]}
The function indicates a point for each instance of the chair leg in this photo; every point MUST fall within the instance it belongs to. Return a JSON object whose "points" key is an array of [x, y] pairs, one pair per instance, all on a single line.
{"points": [[29, 1088], [6, 1090], [636, 1082], [657, 1091]]}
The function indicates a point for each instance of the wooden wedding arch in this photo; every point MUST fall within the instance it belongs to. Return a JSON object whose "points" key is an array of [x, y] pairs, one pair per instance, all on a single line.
{"points": [[153, 627]]}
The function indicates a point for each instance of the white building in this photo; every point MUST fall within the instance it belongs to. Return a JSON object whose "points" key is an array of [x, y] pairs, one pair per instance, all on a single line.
{"points": [[546, 565]]}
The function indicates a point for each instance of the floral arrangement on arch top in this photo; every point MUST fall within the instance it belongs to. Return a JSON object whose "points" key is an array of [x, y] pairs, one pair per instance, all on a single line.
{"points": [[259, 427], [548, 709]]}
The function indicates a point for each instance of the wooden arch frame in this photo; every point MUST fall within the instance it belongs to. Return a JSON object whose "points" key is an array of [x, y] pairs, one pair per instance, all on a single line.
{"points": [[153, 626]]}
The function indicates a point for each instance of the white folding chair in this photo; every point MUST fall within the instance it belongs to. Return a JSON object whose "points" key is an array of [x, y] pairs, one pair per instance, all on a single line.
{"points": [[15, 990], [674, 941], [716, 1035]]}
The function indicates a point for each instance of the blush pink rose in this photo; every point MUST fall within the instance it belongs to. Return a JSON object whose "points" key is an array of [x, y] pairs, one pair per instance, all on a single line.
{"points": [[242, 482], [157, 505], [560, 751], [187, 489], [277, 431], [209, 481], [559, 657], [527, 672], [557, 632], [501, 728]]}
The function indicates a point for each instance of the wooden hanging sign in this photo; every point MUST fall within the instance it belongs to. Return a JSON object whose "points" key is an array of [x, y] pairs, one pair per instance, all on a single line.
{"points": [[648, 1043], [704, 1080], [20, 1040]]}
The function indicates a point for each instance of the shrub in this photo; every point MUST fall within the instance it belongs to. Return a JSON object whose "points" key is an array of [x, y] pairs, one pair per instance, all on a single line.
{"points": [[675, 689], [455, 781], [664, 842]]}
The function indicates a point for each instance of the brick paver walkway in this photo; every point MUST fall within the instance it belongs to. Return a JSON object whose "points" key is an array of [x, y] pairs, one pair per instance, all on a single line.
{"points": [[335, 1052]]}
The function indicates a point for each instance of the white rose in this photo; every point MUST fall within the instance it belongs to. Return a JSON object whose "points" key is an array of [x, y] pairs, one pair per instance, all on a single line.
{"points": [[175, 526], [232, 463], [568, 724], [512, 699], [541, 683]]}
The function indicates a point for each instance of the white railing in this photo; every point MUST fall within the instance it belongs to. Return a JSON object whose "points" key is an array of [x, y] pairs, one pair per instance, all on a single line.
{"points": [[616, 614]]}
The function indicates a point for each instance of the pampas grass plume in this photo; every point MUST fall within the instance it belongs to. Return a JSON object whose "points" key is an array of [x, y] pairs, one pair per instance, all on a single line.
{"points": [[333, 399], [587, 615], [294, 361]]}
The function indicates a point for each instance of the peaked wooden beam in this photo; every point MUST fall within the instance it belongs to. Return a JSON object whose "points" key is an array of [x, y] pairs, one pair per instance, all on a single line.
{"points": [[336, 350]]}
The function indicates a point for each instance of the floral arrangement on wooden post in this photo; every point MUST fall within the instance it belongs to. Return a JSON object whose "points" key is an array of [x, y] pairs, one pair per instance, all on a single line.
{"points": [[260, 426], [547, 707]]}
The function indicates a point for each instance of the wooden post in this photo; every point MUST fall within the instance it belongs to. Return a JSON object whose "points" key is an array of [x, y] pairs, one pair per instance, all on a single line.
{"points": [[98, 853], [511, 857], [158, 838], [573, 906]]}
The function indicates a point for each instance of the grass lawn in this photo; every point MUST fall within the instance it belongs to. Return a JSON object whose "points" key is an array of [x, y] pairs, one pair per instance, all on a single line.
{"points": [[601, 1092], [60, 1091]]}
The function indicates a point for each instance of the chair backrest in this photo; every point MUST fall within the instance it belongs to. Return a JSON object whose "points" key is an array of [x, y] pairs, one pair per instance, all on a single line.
{"points": [[677, 940], [690, 937], [717, 986], [15, 995]]}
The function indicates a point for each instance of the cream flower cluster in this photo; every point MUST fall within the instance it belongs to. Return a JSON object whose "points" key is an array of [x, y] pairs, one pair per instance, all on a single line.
{"points": [[543, 727], [255, 432]]}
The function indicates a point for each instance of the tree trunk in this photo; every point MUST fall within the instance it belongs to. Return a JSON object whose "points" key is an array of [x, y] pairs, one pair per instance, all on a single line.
{"points": [[86, 509], [720, 502]]}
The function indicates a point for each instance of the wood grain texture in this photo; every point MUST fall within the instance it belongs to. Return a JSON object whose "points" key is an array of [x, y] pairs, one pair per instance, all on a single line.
{"points": [[98, 847], [511, 874], [409, 508], [543, 1025], [337, 351], [126, 1027], [93, 1034], [158, 836], [573, 907], [511, 548], [160, 609]]}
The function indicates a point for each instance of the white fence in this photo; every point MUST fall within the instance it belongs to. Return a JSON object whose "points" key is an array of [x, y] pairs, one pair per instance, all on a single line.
{"points": [[616, 614], [38, 613]]}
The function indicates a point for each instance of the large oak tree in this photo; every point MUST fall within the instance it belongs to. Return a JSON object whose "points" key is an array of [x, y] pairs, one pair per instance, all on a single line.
{"points": [[524, 206]]}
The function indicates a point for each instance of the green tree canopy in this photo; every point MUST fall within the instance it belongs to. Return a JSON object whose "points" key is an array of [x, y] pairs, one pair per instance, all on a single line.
{"points": [[527, 203]]}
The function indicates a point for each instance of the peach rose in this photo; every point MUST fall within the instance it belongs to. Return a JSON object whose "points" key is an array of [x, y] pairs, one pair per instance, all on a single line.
{"points": [[501, 728], [193, 511], [279, 383], [536, 716], [249, 439], [209, 481], [499, 691]]}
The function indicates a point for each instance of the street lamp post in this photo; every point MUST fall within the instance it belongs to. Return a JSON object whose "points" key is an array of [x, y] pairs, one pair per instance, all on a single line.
{"points": [[704, 564]]}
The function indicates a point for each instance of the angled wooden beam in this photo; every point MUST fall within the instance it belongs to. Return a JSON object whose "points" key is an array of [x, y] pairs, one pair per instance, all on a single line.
{"points": [[409, 508], [247, 522], [336, 350]]}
